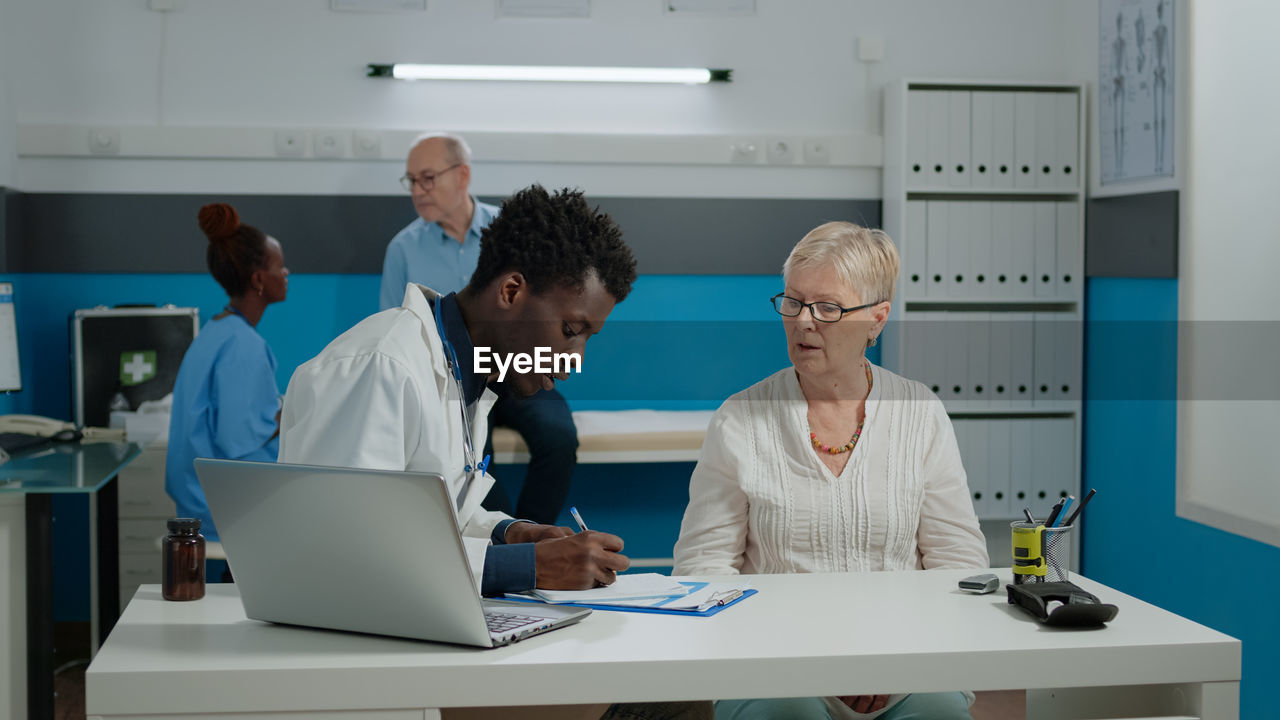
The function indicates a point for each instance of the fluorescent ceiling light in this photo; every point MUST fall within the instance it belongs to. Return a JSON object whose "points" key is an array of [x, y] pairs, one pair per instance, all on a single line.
{"points": [[404, 71]]}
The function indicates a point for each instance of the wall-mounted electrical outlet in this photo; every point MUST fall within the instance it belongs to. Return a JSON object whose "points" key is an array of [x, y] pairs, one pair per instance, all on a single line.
{"points": [[816, 152], [871, 48], [745, 151], [781, 151], [291, 143], [329, 144], [367, 144], [104, 141]]}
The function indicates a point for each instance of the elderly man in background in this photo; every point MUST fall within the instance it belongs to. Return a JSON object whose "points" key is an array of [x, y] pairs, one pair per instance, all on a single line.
{"points": [[440, 249]]}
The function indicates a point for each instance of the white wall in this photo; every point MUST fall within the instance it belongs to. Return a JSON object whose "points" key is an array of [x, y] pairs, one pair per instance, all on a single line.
{"points": [[1227, 451], [7, 117], [294, 63]]}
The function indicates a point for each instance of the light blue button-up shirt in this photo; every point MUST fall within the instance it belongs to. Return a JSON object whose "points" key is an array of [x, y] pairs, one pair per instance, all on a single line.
{"points": [[424, 254]]}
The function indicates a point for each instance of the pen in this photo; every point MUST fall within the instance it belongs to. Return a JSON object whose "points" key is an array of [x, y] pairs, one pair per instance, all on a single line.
{"points": [[1062, 514], [723, 597], [1080, 507], [1053, 514], [1030, 518], [578, 518]]}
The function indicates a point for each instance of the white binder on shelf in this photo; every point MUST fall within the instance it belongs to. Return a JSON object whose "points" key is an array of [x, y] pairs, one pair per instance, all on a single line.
{"points": [[999, 460], [1042, 365], [917, 170], [964, 443], [975, 465], [1003, 166], [958, 169], [1059, 457], [1070, 271], [1022, 470], [915, 250], [1068, 347], [939, 137], [1047, 476], [1001, 392], [1068, 472], [1047, 140], [937, 247], [1022, 250], [1046, 252], [1002, 282], [980, 133], [978, 387], [1022, 360], [913, 364], [957, 282], [933, 334], [956, 380], [1068, 127], [1024, 139], [980, 230]]}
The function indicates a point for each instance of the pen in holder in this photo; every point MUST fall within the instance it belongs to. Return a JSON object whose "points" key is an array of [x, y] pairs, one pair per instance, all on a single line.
{"points": [[1040, 554]]}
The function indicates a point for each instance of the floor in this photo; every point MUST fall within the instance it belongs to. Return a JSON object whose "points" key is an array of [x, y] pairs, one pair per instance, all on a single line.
{"points": [[69, 705]]}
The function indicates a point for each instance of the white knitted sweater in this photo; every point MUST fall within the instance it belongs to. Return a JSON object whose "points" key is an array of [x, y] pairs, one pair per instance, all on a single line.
{"points": [[761, 501]]}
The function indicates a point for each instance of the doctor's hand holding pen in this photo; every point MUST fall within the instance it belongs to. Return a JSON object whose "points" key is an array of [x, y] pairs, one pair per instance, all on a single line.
{"points": [[578, 561], [527, 532]]}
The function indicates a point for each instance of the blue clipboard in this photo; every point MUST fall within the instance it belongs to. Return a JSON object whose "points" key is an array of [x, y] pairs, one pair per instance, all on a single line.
{"points": [[655, 610]]}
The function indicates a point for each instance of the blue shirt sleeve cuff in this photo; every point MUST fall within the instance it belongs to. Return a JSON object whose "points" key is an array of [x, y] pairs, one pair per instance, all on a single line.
{"points": [[508, 568], [499, 534]]}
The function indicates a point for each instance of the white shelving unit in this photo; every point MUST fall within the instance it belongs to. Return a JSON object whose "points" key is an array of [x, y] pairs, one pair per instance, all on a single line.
{"points": [[144, 511], [984, 190]]}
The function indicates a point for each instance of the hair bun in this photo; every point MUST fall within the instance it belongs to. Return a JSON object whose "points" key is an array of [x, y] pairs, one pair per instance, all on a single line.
{"points": [[218, 220]]}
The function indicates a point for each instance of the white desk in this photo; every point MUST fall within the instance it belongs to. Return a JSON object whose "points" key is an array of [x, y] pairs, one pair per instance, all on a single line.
{"points": [[801, 635]]}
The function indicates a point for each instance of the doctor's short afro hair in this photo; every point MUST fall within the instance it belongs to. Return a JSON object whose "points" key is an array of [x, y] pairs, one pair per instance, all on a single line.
{"points": [[555, 241]]}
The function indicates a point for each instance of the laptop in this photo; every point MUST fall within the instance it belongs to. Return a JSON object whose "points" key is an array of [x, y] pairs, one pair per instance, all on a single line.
{"points": [[370, 551]]}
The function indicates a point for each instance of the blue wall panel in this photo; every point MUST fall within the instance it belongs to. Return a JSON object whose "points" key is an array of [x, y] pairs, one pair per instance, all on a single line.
{"points": [[677, 342], [1132, 538]]}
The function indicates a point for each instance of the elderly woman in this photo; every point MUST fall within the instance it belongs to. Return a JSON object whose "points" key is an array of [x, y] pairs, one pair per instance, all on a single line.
{"points": [[833, 464]]}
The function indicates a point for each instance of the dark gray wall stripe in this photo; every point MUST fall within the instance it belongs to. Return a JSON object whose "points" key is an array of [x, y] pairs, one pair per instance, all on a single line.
{"points": [[8, 216], [106, 233], [1133, 236]]}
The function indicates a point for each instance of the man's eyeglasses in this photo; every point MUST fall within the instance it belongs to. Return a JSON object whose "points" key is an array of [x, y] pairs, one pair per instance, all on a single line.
{"points": [[827, 312], [426, 181]]}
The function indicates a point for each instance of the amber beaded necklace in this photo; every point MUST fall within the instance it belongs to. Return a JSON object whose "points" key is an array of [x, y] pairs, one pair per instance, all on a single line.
{"points": [[813, 437]]}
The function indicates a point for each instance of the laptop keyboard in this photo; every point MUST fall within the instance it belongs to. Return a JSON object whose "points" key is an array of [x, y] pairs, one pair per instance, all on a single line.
{"points": [[500, 622]]}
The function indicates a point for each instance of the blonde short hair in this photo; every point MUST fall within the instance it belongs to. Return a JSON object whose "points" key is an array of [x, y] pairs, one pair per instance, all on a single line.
{"points": [[865, 259]]}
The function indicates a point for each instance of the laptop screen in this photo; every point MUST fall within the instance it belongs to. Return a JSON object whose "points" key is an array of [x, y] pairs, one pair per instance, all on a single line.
{"points": [[10, 369]]}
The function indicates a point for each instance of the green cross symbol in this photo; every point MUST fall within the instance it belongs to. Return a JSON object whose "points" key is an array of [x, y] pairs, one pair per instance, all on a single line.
{"points": [[137, 366]]}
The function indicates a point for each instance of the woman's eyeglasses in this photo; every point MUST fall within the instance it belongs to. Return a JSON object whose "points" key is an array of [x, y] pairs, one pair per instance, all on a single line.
{"points": [[827, 312]]}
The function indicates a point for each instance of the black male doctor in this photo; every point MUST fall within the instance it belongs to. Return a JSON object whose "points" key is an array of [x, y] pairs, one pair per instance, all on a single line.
{"points": [[399, 391]]}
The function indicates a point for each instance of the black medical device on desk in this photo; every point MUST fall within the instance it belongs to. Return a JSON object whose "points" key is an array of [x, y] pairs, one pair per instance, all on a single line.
{"points": [[1063, 604]]}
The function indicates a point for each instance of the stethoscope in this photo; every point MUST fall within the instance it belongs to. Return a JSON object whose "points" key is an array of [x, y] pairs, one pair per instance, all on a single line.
{"points": [[455, 371]]}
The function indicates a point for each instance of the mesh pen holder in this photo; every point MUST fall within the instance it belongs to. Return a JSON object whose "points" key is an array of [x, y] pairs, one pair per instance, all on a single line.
{"points": [[1040, 554]]}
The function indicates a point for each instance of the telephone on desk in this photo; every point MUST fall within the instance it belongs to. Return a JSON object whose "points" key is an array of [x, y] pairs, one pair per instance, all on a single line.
{"points": [[23, 432]]}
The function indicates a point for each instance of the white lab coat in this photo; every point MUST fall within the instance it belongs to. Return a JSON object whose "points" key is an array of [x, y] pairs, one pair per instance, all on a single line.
{"points": [[380, 396]]}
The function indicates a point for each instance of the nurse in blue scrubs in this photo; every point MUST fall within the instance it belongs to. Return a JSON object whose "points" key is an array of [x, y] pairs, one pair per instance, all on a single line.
{"points": [[225, 401]]}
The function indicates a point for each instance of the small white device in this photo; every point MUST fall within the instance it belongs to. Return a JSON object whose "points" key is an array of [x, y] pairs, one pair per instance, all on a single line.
{"points": [[980, 584]]}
